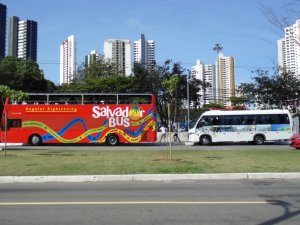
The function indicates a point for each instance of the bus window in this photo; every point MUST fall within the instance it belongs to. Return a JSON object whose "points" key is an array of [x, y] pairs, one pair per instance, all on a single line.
{"points": [[274, 119], [227, 120], [217, 120], [12, 123], [283, 119], [263, 119], [204, 121], [249, 119], [236, 120]]}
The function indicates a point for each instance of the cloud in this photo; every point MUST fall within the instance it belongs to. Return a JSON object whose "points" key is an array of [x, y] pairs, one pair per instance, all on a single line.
{"points": [[134, 23]]}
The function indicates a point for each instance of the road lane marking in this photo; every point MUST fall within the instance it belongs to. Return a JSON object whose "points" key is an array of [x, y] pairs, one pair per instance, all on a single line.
{"points": [[138, 203]]}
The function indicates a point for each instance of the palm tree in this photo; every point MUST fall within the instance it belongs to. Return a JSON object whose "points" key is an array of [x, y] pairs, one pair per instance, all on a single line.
{"points": [[218, 48]]}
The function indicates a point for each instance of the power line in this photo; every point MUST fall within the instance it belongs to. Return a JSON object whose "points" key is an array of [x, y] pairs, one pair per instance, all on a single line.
{"points": [[246, 67], [55, 62]]}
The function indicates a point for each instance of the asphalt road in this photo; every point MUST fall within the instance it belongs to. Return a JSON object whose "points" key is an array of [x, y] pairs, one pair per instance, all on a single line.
{"points": [[157, 146], [238, 202]]}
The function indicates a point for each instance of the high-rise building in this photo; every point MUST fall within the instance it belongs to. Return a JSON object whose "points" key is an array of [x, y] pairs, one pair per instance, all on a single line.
{"points": [[13, 26], [205, 73], [27, 39], [67, 60], [289, 49], [92, 58], [2, 30], [144, 52], [118, 51], [225, 79], [220, 77], [22, 38]]}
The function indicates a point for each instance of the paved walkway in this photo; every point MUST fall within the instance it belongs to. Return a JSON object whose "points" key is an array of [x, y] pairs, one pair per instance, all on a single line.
{"points": [[147, 177]]}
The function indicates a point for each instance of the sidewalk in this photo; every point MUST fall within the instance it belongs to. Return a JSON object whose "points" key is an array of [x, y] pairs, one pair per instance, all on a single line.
{"points": [[183, 136], [148, 177]]}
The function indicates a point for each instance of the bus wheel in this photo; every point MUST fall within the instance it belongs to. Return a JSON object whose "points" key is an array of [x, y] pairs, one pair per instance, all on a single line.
{"points": [[35, 140], [259, 140], [205, 140], [112, 139]]}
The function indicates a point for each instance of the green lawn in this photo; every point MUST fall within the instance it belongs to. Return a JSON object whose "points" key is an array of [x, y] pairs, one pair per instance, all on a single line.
{"points": [[47, 162]]}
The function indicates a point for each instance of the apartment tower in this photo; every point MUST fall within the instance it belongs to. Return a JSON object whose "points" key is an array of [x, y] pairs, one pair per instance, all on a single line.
{"points": [[224, 87], [144, 52], [92, 58], [67, 60], [22, 38], [2, 30], [289, 49], [118, 51], [205, 73]]}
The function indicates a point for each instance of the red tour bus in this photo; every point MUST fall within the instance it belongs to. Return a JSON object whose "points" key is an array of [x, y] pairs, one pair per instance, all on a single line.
{"points": [[80, 118]]}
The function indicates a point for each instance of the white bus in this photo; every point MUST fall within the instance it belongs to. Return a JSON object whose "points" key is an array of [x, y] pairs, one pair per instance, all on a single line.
{"points": [[256, 126]]}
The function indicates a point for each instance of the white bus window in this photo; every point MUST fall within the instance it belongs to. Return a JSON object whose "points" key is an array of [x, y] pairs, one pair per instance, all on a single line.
{"points": [[283, 119], [217, 120], [251, 119], [227, 120], [237, 120], [204, 121], [263, 119]]}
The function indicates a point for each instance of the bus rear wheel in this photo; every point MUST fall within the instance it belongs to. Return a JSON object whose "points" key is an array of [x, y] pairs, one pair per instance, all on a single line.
{"points": [[205, 140], [35, 140], [259, 140], [112, 139]]}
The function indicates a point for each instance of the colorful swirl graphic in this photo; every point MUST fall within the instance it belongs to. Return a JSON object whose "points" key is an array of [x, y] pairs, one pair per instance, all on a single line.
{"points": [[95, 134]]}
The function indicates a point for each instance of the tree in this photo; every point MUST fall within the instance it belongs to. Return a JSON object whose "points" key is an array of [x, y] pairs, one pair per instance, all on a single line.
{"points": [[145, 80], [280, 90], [24, 75], [98, 77], [280, 21], [112, 84], [6, 92], [238, 102], [101, 69], [218, 48], [179, 97]]}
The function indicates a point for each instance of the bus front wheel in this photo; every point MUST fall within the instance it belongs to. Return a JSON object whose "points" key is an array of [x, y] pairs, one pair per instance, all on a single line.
{"points": [[35, 139], [259, 140], [112, 139], [205, 140]]}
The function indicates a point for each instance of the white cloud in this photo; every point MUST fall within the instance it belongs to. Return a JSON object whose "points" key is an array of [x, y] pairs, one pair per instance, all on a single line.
{"points": [[134, 23]]}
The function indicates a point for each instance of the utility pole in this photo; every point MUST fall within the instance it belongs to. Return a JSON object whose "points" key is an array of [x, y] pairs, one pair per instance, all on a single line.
{"points": [[188, 98]]}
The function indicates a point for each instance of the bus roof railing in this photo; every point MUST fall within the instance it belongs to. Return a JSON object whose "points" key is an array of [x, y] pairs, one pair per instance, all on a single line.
{"points": [[89, 98]]}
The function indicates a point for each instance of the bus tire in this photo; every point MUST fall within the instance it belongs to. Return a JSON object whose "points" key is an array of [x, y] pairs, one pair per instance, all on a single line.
{"points": [[259, 140], [205, 140], [35, 140], [112, 139]]}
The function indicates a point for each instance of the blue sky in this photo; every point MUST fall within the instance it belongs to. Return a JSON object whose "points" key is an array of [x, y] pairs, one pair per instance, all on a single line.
{"points": [[183, 30]]}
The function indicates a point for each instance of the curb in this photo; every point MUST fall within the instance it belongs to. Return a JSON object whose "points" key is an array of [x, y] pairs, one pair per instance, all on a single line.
{"points": [[148, 177]]}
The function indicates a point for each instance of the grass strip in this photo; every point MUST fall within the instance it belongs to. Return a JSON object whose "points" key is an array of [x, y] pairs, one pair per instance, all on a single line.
{"points": [[83, 162]]}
